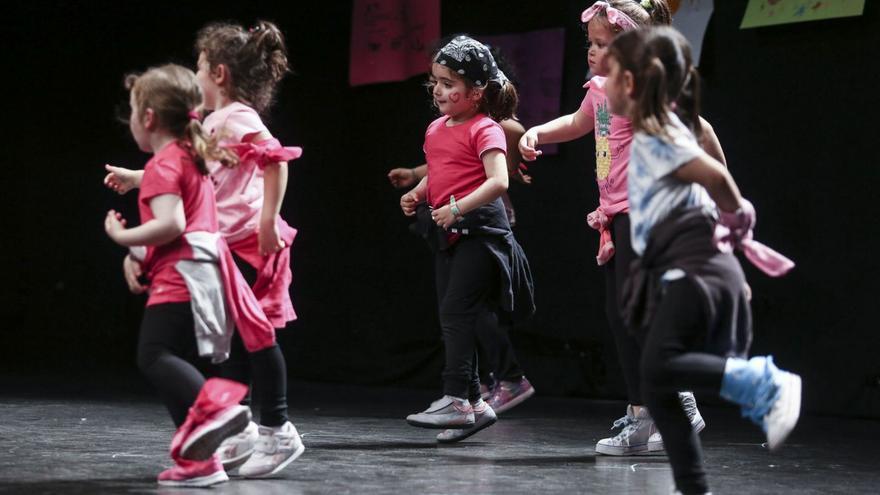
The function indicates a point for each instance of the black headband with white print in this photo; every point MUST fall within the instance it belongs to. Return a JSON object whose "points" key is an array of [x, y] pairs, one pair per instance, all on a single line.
{"points": [[471, 59]]}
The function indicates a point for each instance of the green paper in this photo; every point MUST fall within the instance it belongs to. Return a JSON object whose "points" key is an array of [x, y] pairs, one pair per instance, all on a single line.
{"points": [[769, 12]]}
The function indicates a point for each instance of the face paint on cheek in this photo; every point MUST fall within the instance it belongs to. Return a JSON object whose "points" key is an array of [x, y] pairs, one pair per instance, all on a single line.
{"points": [[455, 97]]}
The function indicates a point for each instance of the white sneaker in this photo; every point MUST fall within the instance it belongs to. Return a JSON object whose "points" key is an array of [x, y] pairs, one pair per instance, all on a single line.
{"points": [[689, 404], [445, 412], [785, 411], [275, 449], [484, 417], [633, 439], [235, 451]]}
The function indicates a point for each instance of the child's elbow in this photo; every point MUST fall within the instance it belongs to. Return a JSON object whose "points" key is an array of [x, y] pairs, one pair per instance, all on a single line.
{"points": [[176, 227]]}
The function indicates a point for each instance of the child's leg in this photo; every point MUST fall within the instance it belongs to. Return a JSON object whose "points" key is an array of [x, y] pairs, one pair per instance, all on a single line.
{"points": [[270, 385], [238, 366], [473, 274], [493, 339], [616, 272], [166, 338], [669, 365]]}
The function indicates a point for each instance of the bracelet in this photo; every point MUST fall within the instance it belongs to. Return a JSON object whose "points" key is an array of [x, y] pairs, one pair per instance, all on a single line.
{"points": [[453, 207]]}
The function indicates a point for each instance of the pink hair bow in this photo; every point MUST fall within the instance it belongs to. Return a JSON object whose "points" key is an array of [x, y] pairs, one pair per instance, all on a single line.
{"points": [[615, 17]]}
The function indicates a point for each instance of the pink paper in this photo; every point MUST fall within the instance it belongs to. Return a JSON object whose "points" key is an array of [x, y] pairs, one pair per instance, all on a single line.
{"points": [[390, 39]]}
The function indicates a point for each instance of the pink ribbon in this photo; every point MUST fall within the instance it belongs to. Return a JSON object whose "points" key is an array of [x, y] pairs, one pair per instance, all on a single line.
{"points": [[615, 17], [600, 221], [265, 152]]}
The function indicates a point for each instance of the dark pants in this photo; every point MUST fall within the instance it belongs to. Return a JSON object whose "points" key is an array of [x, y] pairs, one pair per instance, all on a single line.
{"points": [[467, 277], [269, 372], [166, 345], [671, 361], [616, 271], [266, 369], [495, 351]]}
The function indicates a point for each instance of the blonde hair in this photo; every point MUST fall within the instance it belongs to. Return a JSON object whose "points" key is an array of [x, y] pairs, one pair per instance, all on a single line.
{"points": [[172, 93]]}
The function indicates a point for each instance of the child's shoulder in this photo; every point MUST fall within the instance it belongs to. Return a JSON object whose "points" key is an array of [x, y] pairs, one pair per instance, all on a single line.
{"points": [[596, 83], [237, 118]]}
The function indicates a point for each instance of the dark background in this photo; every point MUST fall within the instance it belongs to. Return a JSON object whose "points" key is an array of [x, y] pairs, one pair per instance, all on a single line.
{"points": [[794, 107]]}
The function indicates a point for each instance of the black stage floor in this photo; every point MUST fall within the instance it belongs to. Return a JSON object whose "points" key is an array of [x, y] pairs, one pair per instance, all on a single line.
{"points": [[357, 442]]}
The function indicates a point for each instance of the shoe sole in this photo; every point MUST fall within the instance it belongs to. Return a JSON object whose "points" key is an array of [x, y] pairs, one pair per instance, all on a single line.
{"points": [[622, 451], [213, 479], [201, 448], [471, 432], [516, 401], [434, 426], [790, 414], [236, 462], [278, 468]]}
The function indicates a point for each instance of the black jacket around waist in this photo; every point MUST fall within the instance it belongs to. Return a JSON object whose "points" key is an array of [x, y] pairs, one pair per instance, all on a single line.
{"points": [[488, 225], [683, 240]]}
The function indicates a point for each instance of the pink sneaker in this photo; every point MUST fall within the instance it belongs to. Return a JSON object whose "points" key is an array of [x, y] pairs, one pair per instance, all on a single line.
{"points": [[215, 416], [194, 473], [510, 394]]}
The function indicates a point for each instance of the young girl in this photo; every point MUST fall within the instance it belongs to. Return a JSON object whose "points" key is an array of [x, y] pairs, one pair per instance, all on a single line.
{"points": [[502, 381], [238, 71], [481, 271], [193, 282], [604, 21], [686, 295]]}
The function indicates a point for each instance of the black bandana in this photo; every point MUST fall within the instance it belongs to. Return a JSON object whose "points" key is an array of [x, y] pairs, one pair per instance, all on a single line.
{"points": [[471, 59]]}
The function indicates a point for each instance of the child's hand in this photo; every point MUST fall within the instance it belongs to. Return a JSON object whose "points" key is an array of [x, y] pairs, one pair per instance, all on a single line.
{"points": [[740, 222], [132, 270], [522, 177], [527, 145], [269, 238], [120, 179], [408, 203], [402, 177], [443, 217], [114, 224]]}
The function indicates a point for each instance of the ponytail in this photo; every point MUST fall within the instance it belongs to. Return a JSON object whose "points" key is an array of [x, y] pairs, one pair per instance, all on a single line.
{"points": [[650, 114], [203, 147], [500, 100], [687, 105], [661, 14]]}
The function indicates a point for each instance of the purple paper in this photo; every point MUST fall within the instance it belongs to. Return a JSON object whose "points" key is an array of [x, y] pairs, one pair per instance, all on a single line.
{"points": [[536, 57]]}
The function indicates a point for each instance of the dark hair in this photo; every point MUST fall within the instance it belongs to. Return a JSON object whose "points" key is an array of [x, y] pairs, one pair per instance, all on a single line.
{"points": [[664, 77], [172, 93], [500, 100], [256, 59], [644, 13]]}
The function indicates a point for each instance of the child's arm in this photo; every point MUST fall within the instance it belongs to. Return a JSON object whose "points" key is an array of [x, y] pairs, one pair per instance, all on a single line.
{"points": [[274, 189], [410, 200], [121, 179], [169, 223], [496, 183], [406, 177], [710, 143], [711, 174], [559, 130]]}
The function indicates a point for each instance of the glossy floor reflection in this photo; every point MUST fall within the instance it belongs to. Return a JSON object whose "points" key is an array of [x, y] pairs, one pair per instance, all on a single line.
{"points": [[358, 442]]}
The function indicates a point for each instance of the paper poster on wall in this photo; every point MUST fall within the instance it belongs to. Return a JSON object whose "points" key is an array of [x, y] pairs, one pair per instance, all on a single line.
{"points": [[770, 12], [536, 57], [691, 18], [390, 39]]}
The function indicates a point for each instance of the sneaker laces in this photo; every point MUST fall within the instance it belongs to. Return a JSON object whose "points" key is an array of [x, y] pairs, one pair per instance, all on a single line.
{"points": [[623, 422]]}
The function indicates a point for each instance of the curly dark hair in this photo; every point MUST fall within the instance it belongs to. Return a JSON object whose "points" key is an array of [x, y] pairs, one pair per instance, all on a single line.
{"points": [[256, 59]]}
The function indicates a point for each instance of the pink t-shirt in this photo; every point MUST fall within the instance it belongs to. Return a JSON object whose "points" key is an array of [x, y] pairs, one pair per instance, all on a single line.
{"points": [[173, 171], [239, 190], [454, 156], [614, 135]]}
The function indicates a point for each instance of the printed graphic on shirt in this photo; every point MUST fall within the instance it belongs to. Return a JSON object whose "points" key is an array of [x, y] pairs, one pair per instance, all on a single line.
{"points": [[603, 150]]}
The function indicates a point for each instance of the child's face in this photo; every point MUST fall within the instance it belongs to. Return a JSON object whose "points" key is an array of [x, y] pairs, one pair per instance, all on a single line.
{"points": [[618, 87], [137, 127], [451, 94], [599, 35], [208, 82]]}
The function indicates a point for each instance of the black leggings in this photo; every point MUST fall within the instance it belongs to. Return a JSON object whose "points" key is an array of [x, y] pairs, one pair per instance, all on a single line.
{"points": [[166, 345], [268, 369], [616, 271], [467, 278], [671, 361], [495, 351]]}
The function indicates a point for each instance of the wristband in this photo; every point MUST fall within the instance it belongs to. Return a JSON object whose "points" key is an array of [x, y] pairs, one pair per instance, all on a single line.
{"points": [[453, 207]]}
